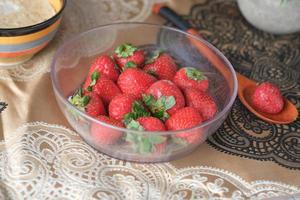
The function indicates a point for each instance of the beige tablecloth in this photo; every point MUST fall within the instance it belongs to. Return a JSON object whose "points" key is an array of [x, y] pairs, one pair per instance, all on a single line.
{"points": [[42, 157]]}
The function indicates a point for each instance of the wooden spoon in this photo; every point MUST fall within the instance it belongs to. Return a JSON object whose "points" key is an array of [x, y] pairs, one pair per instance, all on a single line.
{"points": [[246, 88]]}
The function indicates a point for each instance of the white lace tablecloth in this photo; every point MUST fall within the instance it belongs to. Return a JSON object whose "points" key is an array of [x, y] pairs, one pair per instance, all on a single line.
{"points": [[46, 161]]}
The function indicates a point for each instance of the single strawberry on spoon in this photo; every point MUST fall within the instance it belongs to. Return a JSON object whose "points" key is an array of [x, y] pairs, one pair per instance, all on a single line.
{"points": [[277, 111]]}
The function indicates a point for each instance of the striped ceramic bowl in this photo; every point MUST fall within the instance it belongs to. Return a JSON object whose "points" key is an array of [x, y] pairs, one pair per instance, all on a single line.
{"points": [[18, 45]]}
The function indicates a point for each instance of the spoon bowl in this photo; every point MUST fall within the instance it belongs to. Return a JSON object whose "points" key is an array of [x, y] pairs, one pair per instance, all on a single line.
{"points": [[246, 88]]}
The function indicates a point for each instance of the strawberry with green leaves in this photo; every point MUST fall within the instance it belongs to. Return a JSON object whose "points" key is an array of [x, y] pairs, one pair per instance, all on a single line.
{"points": [[135, 82], [163, 98], [191, 77], [126, 107], [185, 118], [128, 56], [105, 65], [146, 143], [101, 85], [161, 66], [90, 103], [160, 106], [203, 102], [105, 135]]}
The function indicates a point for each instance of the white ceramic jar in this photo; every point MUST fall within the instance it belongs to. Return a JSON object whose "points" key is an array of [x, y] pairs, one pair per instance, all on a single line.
{"points": [[274, 16]]}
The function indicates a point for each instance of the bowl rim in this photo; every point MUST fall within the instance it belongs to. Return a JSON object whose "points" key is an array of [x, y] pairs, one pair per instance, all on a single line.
{"points": [[58, 90], [31, 28]]}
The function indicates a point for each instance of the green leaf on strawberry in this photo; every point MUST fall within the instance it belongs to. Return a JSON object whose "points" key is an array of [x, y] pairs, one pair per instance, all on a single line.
{"points": [[179, 141], [130, 64], [125, 50], [138, 110], [154, 56], [156, 139], [94, 77], [135, 125], [79, 100], [194, 74], [142, 143], [152, 73], [160, 106]]}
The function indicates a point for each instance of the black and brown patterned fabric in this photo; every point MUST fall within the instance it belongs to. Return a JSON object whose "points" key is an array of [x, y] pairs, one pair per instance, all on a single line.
{"points": [[262, 57], [3, 105]]}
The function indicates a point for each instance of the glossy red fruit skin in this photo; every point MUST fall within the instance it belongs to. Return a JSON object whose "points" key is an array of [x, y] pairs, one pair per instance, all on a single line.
{"points": [[95, 106], [138, 58], [105, 65], [201, 101], [163, 67], [104, 135], [154, 124], [167, 88], [267, 98], [120, 106], [151, 124], [104, 87], [184, 118], [183, 81], [135, 82]]}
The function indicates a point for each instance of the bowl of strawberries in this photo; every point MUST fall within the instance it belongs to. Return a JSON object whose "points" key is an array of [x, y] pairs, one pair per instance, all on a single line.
{"points": [[142, 92]]}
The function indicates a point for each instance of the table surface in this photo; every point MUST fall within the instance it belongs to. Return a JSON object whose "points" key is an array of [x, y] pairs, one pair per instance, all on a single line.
{"points": [[42, 157]]}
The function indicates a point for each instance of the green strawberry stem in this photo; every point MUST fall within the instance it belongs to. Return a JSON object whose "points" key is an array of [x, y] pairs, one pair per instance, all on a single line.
{"points": [[154, 56], [130, 64], [135, 125], [195, 74], [79, 100], [138, 110], [152, 73], [160, 106], [94, 78], [179, 141], [142, 143], [125, 50]]}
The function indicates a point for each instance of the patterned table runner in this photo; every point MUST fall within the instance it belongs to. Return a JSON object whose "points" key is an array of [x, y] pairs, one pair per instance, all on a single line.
{"points": [[262, 57]]}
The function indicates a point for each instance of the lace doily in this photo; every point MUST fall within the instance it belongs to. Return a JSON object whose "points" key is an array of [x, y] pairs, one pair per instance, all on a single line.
{"points": [[79, 16], [43, 161]]}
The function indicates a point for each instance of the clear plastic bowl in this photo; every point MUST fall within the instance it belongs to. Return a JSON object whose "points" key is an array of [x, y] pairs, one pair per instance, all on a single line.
{"points": [[71, 64]]}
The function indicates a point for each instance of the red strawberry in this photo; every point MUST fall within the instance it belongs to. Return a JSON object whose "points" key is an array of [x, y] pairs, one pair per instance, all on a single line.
{"points": [[191, 77], [120, 106], [135, 82], [184, 118], [102, 86], [146, 143], [91, 103], [164, 98], [267, 98], [151, 124], [106, 135], [129, 56], [95, 106], [126, 107], [162, 66], [202, 102], [105, 65]]}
